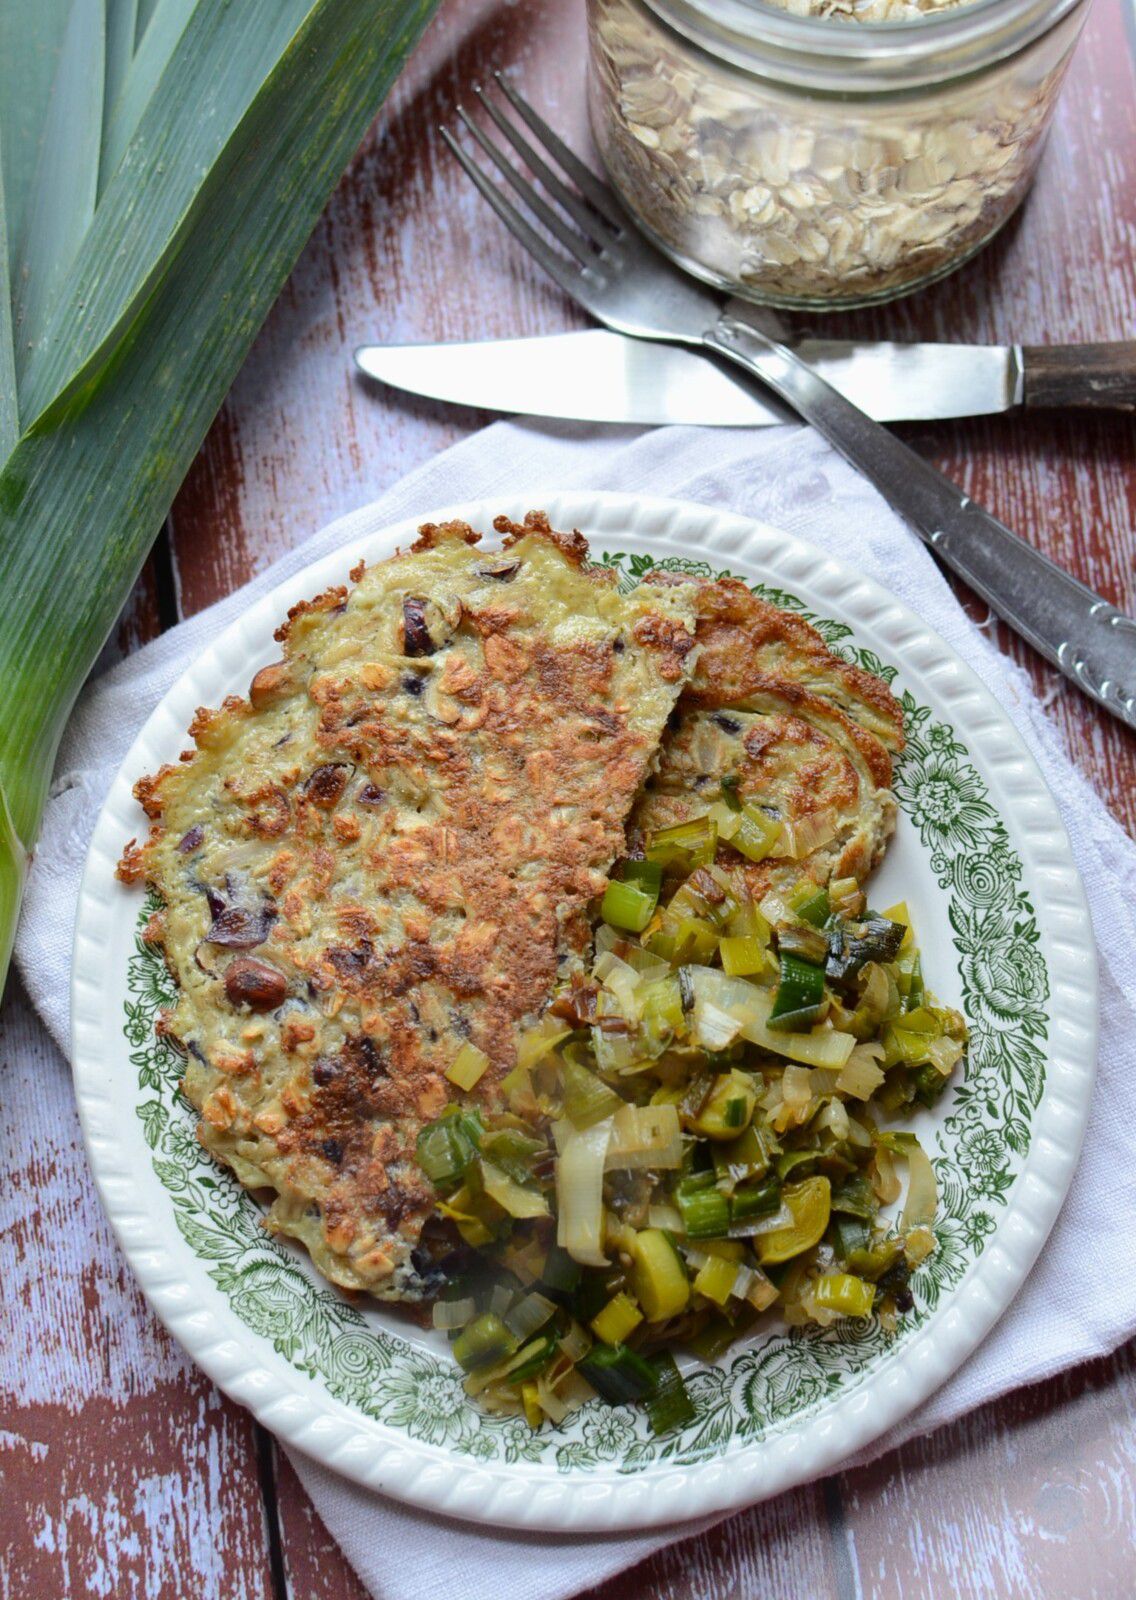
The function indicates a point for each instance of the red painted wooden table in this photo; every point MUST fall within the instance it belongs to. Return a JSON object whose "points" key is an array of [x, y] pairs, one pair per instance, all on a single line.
{"points": [[125, 1473]]}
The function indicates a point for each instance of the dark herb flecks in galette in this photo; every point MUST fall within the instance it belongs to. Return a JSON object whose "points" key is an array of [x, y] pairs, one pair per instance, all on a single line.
{"points": [[523, 951]]}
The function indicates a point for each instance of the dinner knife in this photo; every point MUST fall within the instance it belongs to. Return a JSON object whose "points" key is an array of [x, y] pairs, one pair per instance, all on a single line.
{"points": [[606, 377]]}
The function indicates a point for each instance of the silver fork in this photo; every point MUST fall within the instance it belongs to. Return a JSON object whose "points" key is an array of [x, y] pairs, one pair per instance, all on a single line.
{"points": [[610, 269]]}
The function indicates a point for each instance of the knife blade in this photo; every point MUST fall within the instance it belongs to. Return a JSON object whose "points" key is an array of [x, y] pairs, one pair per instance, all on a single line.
{"points": [[605, 377]]}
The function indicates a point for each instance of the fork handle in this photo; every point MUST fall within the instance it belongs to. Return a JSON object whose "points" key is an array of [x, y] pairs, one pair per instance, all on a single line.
{"points": [[1088, 639]]}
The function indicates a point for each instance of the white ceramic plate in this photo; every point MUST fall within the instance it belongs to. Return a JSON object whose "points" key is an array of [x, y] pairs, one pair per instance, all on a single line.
{"points": [[982, 860]]}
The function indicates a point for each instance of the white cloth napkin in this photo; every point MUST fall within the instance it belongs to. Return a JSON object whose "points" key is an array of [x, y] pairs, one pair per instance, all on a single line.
{"points": [[1080, 1300]]}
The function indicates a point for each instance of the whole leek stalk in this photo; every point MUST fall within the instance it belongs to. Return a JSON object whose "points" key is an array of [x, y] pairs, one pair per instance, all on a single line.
{"points": [[162, 163]]}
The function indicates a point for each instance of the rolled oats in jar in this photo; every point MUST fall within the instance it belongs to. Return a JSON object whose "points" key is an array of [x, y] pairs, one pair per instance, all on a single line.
{"points": [[824, 153]]}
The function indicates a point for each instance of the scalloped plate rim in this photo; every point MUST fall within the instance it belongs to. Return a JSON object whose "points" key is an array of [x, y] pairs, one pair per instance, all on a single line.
{"points": [[527, 1496]]}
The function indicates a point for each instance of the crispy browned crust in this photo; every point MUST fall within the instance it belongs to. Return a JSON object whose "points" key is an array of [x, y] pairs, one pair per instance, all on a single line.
{"points": [[806, 705], [131, 867], [573, 546], [747, 647], [801, 729], [403, 927]]}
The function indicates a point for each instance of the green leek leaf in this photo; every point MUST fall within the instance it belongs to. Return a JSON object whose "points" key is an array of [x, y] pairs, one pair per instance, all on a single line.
{"points": [[146, 9], [100, 456], [156, 46], [121, 26], [62, 202], [9, 414], [202, 101], [31, 34]]}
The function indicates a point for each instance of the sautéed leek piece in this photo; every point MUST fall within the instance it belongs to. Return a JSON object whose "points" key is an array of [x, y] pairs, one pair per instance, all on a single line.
{"points": [[693, 1139]]}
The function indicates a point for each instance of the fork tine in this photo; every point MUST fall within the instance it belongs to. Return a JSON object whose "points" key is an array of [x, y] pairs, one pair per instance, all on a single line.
{"points": [[592, 225], [583, 177], [564, 273], [555, 224]]}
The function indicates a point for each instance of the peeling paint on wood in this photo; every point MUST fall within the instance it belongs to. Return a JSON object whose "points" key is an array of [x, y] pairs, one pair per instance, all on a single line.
{"points": [[313, 1562], [1058, 1519], [120, 1463]]}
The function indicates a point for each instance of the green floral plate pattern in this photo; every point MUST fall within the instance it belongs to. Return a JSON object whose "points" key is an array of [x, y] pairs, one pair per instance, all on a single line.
{"points": [[957, 858]]}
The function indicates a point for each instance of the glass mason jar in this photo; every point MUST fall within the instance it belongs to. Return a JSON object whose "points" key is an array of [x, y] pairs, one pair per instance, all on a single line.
{"points": [[823, 162]]}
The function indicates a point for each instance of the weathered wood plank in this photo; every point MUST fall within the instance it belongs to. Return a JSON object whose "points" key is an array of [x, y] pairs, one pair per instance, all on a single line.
{"points": [[315, 1567], [1034, 1497], [784, 1548], [124, 1472], [403, 252], [1058, 1518]]}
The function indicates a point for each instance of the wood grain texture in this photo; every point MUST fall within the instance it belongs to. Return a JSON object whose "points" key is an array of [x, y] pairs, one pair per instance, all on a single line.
{"points": [[403, 252], [119, 1461], [1034, 1498], [1056, 1521], [1099, 376], [313, 1563]]}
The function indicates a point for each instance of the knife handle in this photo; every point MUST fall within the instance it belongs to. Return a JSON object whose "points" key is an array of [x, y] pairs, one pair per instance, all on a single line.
{"points": [[1091, 642], [1101, 377]]}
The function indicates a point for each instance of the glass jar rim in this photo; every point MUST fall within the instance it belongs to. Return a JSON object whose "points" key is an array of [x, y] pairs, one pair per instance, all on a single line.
{"points": [[849, 58]]}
